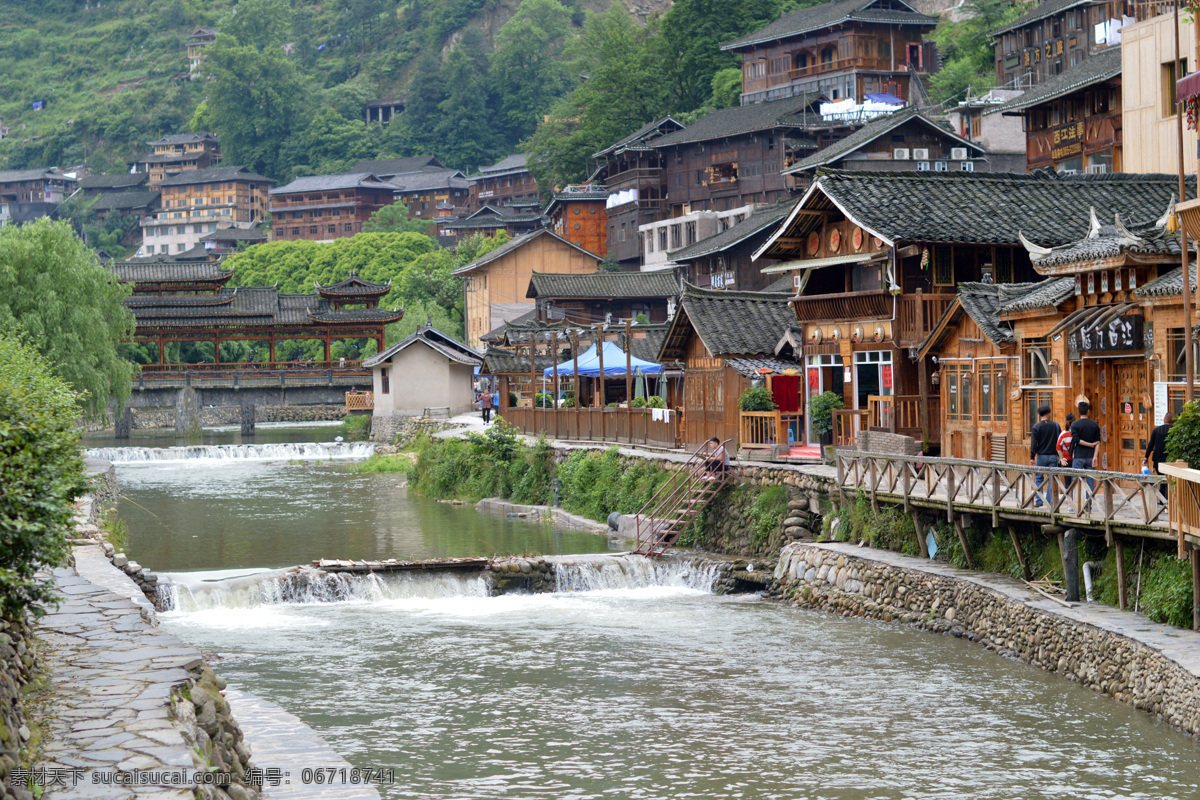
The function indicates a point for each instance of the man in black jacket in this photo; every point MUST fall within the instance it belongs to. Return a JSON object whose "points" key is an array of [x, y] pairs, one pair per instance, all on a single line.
{"points": [[1156, 448], [1085, 438], [1043, 440]]}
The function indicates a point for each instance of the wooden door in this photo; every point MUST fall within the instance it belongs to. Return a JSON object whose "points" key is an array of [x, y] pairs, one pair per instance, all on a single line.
{"points": [[1131, 416]]}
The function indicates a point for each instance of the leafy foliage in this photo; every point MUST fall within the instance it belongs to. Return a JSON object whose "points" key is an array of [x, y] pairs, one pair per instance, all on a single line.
{"points": [[757, 399], [1183, 442], [820, 411], [54, 290], [394, 219], [41, 471], [968, 55]]}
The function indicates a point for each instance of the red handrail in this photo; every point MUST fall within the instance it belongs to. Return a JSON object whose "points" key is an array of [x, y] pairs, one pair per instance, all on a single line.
{"points": [[669, 495]]}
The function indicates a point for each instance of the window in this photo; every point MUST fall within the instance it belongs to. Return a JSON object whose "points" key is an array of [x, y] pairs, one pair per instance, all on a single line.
{"points": [[313, 230], [922, 166], [650, 243], [992, 401], [347, 227], [1035, 360], [967, 166], [976, 125], [333, 228], [385, 385], [662, 238], [941, 166], [295, 231], [943, 266], [1170, 100], [676, 237], [691, 232], [1034, 399]]}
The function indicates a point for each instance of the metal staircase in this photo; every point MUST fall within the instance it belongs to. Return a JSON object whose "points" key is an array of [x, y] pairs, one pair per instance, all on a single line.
{"points": [[677, 502]]}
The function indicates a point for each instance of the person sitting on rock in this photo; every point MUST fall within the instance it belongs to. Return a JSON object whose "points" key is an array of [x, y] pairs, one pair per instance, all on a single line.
{"points": [[717, 462]]}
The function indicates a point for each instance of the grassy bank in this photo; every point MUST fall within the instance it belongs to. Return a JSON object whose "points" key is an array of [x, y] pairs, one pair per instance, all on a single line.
{"points": [[1165, 581]]}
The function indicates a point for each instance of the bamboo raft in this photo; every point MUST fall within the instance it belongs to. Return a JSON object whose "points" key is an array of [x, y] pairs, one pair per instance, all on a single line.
{"points": [[392, 565]]}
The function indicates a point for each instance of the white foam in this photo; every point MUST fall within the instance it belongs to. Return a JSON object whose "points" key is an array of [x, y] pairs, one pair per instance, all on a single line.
{"points": [[224, 453]]}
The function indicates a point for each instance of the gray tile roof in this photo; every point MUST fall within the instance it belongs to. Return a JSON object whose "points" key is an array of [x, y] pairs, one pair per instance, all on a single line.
{"points": [[124, 201], [506, 164], [792, 112], [1030, 296], [1108, 242], [604, 285], [1042, 11], [448, 346], [355, 285], [498, 361], [184, 138], [1169, 284], [516, 244], [396, 166], [236, 235], [827, 15], [497, 334], [135, 272], [971, 207], [729, 323], [868, 133], [22, 175], [258, 305], [784, 285], [649, 346], [749, 367], [756, 227], [214, 175], [982, 302], [648, 132], [324, 183], [1103, 66], [428, 180], [122, 180]]}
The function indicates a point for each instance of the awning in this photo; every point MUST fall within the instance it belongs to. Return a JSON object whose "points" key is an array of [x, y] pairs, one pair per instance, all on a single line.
{"points": [[615, 360], [831, 261], [1188, 86], [880, 97]]}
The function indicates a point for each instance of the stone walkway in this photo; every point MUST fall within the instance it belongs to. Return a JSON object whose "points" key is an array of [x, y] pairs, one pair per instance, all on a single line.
{"points": [[279, 740]]}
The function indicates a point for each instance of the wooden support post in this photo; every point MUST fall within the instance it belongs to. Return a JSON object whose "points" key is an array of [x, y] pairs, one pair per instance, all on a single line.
{"points": [[603, 385], [554, 387], [629, 365], [1020, 551], [271, 347], [924, 547], [962, 540], [1122, 589], [1070, 556], [532, 389], [922, 370], [327, 348], [950, 493]]}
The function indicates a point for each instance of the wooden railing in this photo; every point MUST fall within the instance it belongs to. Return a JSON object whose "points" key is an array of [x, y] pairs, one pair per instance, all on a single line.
{"points": [[360, 401], [1066, 496], [844, 306], [617, 425], [847, 422], [917, 314], [765, 429], [1184, 491]]}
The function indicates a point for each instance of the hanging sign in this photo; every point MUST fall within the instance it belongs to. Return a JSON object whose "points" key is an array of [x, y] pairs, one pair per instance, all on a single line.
{"points": [[1127, 408], [886, 370], [1120, 333], [1161, 401]]}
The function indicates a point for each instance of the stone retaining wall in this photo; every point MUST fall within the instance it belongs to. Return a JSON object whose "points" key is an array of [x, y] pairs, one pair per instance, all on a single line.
{"points": [[17, 667], [1118, 653], [232, 415]]}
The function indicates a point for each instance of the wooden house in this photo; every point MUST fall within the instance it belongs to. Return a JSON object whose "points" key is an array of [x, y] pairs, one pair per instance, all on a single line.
{"points": [[321, 208], [95, 185], [577, 214], [725, 260], [877, 257], [177, 153], [197, 40], [723, 339], [387, 168], [43, 185], [200, 201], [1073, 120], [514, 220], [1054, 37], [431, 194], [846, 48], [428, 369], [497, 283], [503, 183], [590, 298]]}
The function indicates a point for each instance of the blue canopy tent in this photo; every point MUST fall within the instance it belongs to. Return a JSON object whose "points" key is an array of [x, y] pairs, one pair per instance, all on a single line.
{"points": [[614, 364]]}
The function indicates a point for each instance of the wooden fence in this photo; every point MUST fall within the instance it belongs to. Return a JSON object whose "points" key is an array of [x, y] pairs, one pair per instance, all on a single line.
{"points": [[1185, 502], [616, 425], [360, 401], [761, 430]]}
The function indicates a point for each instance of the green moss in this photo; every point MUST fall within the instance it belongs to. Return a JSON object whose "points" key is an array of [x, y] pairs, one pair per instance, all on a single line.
{"points": [[401, 464], [355, 426]]}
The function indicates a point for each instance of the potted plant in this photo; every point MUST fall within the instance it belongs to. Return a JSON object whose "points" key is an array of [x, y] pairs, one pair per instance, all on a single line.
{"points": [[656, 402], [756, 399], [820, 415]]}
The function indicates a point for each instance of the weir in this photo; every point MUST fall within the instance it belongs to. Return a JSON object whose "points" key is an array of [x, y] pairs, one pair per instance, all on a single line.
{"points": [[307, 451]]}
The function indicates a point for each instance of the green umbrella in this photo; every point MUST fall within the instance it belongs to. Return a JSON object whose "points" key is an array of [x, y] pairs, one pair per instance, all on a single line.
{"points": [[639, 384]]}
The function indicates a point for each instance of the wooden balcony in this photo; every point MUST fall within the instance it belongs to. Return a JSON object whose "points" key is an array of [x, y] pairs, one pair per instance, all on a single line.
{"points": [[617, 425], [847, 422], [764, 430], [902, 414], [844, 307], [360, 402], [917, 314]]}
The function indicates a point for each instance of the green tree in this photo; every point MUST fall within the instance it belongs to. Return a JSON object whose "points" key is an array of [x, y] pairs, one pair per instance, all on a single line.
{"points": [[259, 23], [968, 55], [464, 138], [726, 89], [394, 219], [430, 288], [330, 144], [54, 290], [527, 75], [420, 117], [255, 101]]}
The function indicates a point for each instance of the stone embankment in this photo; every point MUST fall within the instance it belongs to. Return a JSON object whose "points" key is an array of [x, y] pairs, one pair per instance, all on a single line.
{"points": [[232, 415], [1151, 667]]}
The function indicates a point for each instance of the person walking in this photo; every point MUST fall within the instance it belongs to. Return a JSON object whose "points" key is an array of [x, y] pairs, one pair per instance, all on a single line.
{"points": [[485, 405], [1156, 449], [1085, 438], [1064, 449], [1042, 441]]}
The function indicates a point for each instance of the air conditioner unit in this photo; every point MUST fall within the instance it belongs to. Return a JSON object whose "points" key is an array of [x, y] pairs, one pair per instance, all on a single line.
{"points": [[900, 154], [958, 153], [1097, 169], [921, 153], [1068, 172]]}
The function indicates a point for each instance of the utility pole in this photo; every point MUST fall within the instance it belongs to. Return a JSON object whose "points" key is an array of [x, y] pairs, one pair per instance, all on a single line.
{"points": [[1186, 274]]}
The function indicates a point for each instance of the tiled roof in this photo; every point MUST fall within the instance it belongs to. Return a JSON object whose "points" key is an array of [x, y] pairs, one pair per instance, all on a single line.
{"points": [[868, 133], [344, 315], [642, 133], [506, 164], [1030, 296], [516, 244], [784, 284], [1106, 241], [122, 180], [726, 122], [21, 175], [980, 301], [355, 285], [184, 138], [497, 334], [497, 221], [729, 323], [604, 285], [1103, 66], [972, 207], [749, 367], [258, 305], [322, 183], [497, 361], [214, 175], [646, 347], [427, 180], [760, 221], [1169, 284], [124, 200], [1043, 10], [135, 272], [448, 346], [236, 235], [396, 166], [827, 15]]}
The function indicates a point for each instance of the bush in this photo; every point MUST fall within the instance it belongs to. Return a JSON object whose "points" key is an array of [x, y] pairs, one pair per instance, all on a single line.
{"points": [[656, 402], [756, 399], [41, 471], [1183, 442], [544, 400], [512, 399], [820, 411], [638, 402], [356, 426], [1167, 591]]}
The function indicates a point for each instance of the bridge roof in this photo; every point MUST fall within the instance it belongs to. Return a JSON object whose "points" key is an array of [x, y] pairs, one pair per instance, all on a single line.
{"points": [[170, 272], [252, 306]]}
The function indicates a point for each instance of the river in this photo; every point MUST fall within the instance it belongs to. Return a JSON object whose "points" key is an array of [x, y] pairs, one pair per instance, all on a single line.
{"points": [[637, 683]]}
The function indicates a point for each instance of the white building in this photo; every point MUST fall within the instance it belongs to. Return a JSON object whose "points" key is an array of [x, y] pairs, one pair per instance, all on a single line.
{"points": [[659, 239]]}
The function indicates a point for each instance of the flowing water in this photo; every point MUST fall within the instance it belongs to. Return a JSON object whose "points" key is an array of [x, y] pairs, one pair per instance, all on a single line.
{"points": [[630, 681]]}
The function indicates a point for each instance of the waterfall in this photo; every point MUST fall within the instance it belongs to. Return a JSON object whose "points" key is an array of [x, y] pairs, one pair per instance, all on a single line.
{"points": [[234, 452], [633, 572], [205, 591]]}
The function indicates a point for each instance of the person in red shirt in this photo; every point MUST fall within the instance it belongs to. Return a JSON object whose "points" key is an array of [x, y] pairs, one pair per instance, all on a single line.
{"points": [[1063, 446]]}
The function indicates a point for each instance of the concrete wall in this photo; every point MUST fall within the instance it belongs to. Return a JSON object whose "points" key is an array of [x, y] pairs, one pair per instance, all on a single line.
{"points": [[1149, 136], [259, 396], [419, 377]]}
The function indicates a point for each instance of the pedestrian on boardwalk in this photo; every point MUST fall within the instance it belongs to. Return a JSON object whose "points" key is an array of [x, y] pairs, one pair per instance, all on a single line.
{"points": [[1156, 448], [1064, 449], [1085, 438], [1042, 441]]}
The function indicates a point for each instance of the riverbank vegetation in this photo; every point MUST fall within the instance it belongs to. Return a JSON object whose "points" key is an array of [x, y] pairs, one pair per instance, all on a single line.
{"points": [[400, 463], [41, 472], [1159, 584]]}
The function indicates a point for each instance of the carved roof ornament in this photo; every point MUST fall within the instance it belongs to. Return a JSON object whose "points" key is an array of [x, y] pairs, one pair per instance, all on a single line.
{"points": [[1036, 252], [1165, 220], [1126, 237], [1094, 223]]}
